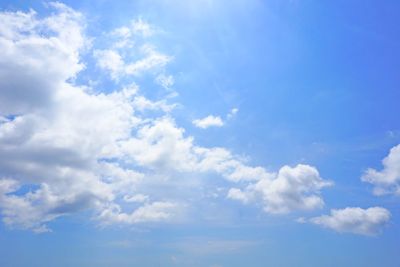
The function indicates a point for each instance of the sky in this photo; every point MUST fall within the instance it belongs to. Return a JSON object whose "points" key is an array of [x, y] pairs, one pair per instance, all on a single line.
{"points": [[205, 133]]}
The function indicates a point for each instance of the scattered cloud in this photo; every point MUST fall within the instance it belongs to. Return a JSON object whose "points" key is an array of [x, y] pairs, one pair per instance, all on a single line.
{"points": [[291, 189], [214, 121], [118, 67], [386, 181], [232, 113], [153, 212], [166, 81], [209, 121], [127, 36], [136, 198], [131, 53], [355, 220]]}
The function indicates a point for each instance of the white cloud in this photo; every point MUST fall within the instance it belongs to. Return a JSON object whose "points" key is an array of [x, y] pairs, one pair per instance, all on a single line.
{"points": [[232, 113], [161, 145], [291, 189], [49, 42], [131, 54], [127, 36], [355, 220], [237, 194], [166, 81], [214, 121], [141, 103], [118, 66], [386, 181], [209, 121], [111, 61], [153, 212], [152, 60], [141, 27], [55, 145]]}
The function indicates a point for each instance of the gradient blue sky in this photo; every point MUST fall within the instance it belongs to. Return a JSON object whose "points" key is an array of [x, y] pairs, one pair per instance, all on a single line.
{"points": [[314, 83]]}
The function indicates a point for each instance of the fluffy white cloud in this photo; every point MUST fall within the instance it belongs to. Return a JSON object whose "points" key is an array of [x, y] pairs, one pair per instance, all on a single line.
{"points": [[214, 121], [355, 220], [291, 189], [49, 42], [209, 121], [54, 136], [237, 194], [386, 181], [153, 212]]}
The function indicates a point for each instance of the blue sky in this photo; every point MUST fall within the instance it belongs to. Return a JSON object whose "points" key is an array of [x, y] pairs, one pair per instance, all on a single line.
{"points": [[199, 133]]}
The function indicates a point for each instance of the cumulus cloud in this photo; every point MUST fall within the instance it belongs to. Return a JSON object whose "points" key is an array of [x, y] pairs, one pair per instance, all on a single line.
{"points": [[386, 181], [209, 121], [49, 42], [291, 189], [237, 194], [66, 148], [214, 121], [48, 142], [355, 220], [152, 212]]}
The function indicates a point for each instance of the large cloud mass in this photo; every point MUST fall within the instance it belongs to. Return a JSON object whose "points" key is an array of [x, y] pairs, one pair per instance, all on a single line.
{"points": [[66, 148]]}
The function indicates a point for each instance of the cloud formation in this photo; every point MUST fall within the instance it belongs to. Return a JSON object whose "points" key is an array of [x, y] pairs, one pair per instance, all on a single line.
{"points": [[67, 148], [132, 54], [214, 121], [209, 121], [355, 220], [291, 189], [386, 181]]}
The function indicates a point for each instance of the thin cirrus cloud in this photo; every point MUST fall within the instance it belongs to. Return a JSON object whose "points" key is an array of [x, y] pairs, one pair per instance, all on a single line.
{"points": [[105, 155]]}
